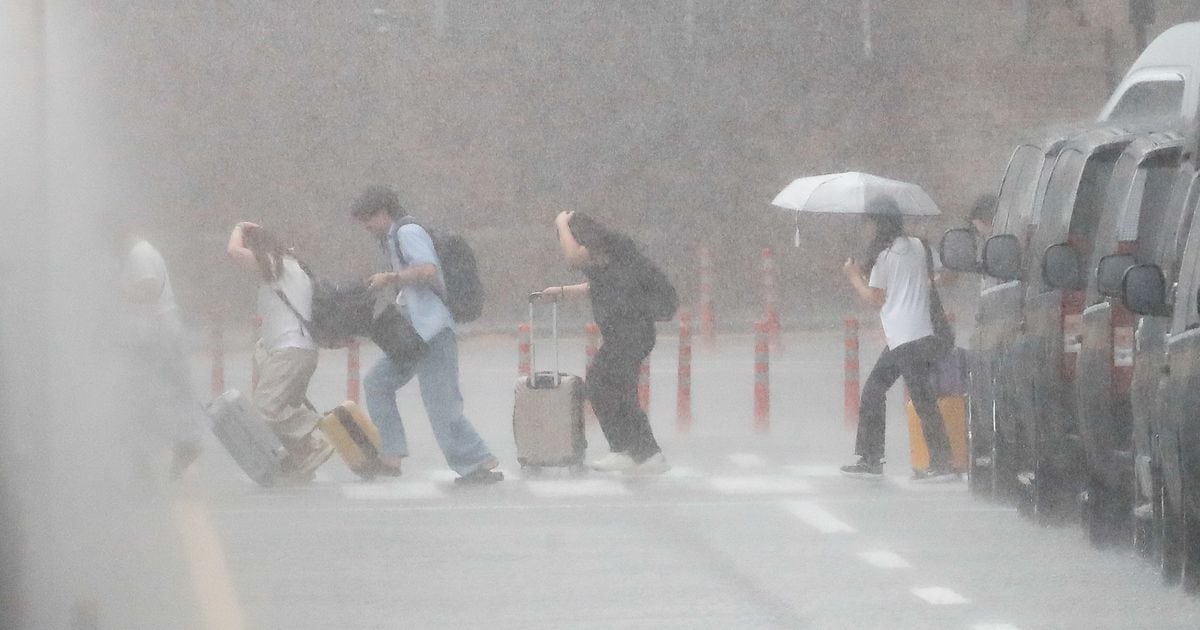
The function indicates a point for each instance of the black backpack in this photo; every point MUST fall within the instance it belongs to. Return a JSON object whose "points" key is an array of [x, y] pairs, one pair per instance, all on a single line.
{"points": [[659, 296], [464, 290], [340, 310]]}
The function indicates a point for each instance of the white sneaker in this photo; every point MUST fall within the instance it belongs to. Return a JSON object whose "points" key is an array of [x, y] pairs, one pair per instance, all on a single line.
{"points": [[656, 464], [613, 462]]}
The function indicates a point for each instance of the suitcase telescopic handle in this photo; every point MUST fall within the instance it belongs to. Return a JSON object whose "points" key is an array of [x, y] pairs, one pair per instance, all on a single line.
{"points": [[534, 298]]}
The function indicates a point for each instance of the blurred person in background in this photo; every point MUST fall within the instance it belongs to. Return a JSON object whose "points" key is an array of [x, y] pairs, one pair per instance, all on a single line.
{"points": [[165, 400], [286, 353], [899, 286], [981, 214], [413, 288], [619, 285]]}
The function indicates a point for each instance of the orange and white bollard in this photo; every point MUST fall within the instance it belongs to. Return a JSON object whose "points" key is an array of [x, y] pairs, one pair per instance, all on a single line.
{"points": [[708, 325], [683, 399], [218, 355], [256, 326], [644, 385], [353, 366], [524, 345], [592, 330], [770, 297], [852, 373], [762, 377]]}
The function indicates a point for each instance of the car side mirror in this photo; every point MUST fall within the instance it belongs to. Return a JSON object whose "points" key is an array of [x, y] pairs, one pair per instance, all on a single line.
{"points": [[1111, 272], [1144, 290], [1061, 268], [1002, 257], [958, 249]]}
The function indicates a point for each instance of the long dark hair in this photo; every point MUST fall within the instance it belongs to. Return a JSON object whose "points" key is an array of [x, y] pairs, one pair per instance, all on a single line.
{"points": [[268, 252], [603, 240], [889, 226]]}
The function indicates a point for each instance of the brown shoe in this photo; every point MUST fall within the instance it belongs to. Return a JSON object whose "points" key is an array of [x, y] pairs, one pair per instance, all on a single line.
{"points": [[308, 456], [388, 468]]}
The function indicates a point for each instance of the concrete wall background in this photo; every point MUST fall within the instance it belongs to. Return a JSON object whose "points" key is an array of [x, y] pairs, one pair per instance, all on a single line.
{"points": [[676, 120]]}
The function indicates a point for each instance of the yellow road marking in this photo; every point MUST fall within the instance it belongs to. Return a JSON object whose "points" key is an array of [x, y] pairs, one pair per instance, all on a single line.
{"points": [[206, 563]]}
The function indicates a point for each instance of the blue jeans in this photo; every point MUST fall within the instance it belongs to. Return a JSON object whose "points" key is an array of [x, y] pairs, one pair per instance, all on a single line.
{"points": [[437, 374]]}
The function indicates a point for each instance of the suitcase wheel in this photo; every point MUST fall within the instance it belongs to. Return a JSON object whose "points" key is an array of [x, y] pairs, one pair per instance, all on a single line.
{"points": [[531, 470]]}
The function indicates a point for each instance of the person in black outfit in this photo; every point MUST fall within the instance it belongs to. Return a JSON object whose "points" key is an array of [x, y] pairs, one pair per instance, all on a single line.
{"points": [[618, 279]]}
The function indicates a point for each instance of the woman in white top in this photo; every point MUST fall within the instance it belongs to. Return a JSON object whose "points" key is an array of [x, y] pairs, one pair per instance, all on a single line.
{"points": [[286, 354], [899, 286]]}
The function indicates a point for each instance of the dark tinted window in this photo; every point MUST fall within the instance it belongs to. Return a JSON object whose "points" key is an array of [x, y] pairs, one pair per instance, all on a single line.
{"points": [[1187, 195], [1015, 203], [1074, 201], [1159, 173]]}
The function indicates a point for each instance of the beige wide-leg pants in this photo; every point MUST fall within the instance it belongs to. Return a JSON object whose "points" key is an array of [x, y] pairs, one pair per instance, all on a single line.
{"points": [[283, 377]]}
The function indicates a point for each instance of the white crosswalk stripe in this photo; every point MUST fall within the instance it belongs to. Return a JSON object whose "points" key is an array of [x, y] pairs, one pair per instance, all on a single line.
{"points": [[818, 518], [814, 471], [392, 491], [758, 479], [760, 484], [939, 596], [747, 460], [884, 559], [576, 488]]}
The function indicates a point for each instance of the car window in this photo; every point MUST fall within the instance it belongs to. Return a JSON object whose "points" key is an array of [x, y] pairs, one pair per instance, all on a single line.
{"points": [[1089, 200], [1157, 177], [1121, 202], [1149, 100], [1074, 200], [1015, 203], [1189, 278], [1060, 192], [1018, 194], [1188, 198]]}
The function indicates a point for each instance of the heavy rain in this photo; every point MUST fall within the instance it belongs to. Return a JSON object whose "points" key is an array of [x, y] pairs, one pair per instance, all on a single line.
{"points": [[590, 314]]}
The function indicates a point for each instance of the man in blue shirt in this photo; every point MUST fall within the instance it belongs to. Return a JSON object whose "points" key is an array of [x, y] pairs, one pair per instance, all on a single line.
{"points": [[416, 276]]}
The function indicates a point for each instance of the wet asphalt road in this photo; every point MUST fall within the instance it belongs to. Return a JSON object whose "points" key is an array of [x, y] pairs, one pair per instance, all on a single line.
{"points": [[749, 530]]}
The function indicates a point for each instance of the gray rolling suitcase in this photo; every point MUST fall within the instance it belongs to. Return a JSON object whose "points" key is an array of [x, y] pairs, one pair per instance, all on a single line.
{"points": [[548, 412], [244, 433]]}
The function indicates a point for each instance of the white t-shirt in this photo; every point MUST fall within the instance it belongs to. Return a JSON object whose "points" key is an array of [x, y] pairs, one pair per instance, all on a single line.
{"points": [[145, 263], [280, 327], [902, 271]]}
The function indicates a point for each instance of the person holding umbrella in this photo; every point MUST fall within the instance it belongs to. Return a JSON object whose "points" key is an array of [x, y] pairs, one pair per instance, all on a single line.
{"points": [[897, 281]]}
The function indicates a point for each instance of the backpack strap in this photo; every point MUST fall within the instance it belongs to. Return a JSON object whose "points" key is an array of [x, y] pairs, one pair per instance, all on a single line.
{"points": [[937, 312], [438, 288], [305, 325], [406, 220]]}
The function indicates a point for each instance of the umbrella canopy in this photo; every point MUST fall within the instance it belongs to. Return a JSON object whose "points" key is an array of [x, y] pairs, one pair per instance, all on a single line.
{"points": [[850, 193]]}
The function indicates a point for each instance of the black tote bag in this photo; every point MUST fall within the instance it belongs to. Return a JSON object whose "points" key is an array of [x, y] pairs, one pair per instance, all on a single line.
{"points": [[393, 332]]}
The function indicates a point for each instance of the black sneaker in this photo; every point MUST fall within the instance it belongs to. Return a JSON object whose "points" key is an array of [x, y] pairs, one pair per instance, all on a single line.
{"points": [[864, 469], [935, 475]]}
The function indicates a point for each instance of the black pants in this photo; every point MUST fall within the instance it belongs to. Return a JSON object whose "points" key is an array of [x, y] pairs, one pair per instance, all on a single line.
{"points": [[916, 361], [612, 388]]}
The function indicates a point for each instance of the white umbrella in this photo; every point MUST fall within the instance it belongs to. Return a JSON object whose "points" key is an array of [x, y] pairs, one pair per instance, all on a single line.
{"points": [[850, 193]]}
